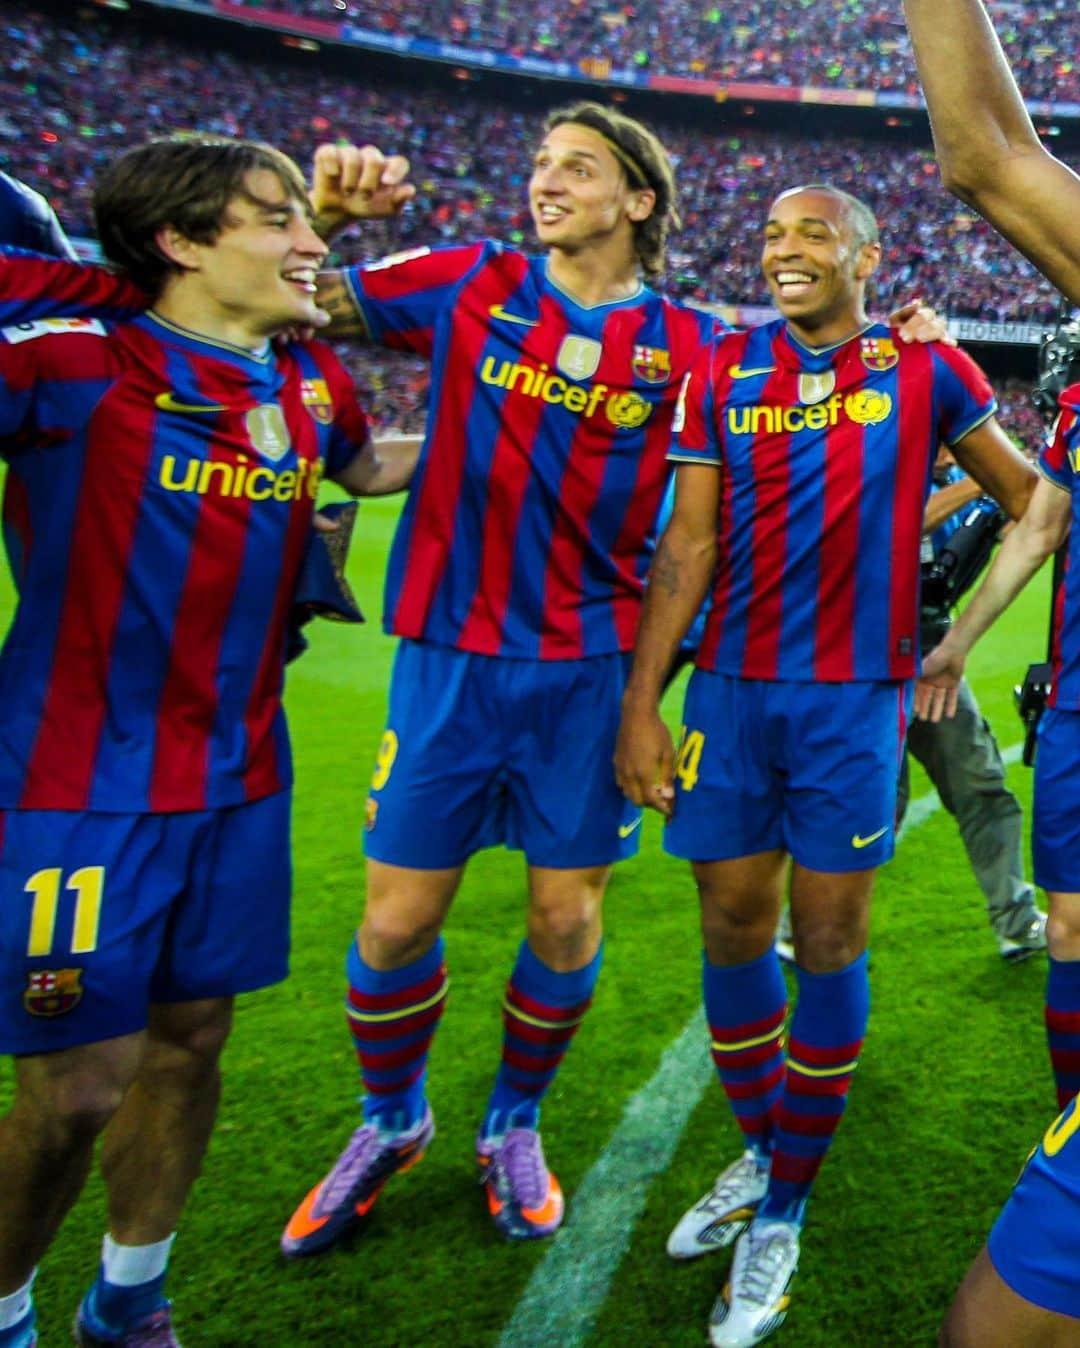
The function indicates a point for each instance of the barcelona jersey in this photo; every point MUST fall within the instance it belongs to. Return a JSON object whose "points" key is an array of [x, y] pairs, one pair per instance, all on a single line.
{"points": [[1059, 462], [526, 532], [159, 495], [825, 457]]}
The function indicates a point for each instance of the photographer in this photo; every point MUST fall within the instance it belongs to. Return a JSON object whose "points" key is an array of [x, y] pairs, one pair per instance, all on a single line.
{"points": [[960, 754]]}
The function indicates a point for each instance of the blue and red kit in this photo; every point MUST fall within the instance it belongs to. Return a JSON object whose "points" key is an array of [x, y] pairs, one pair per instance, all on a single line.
{"points": [[158, 502], [159, 494], [826, 456], [525, 540], [527, 529], [1058, 463]]}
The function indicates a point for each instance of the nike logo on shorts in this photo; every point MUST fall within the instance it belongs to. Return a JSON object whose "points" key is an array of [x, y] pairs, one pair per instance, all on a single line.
{"points": [[858, 841], [626, 829]]}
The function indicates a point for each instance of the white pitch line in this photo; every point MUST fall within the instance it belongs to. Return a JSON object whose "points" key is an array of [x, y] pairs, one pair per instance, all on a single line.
{"points": [[570, 1284]]}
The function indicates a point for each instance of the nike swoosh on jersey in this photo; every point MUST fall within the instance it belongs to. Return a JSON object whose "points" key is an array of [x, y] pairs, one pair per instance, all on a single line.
{"points": [[166, 402], [737, 371], [858, 841], [626, 829], [497, 311]]}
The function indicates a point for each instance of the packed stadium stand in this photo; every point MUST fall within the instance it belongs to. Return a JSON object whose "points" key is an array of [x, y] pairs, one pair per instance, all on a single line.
{"points": [[784, 41], [79, 84]]}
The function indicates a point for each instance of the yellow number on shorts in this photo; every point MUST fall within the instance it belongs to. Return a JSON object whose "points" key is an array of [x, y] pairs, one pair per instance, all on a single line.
{"points": [[384, 760], [1059, 1132], [688, 759], [88, 883]]}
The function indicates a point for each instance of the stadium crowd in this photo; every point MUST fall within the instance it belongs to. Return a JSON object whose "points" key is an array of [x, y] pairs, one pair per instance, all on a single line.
{"points": [[101, 90], [839, 44]]}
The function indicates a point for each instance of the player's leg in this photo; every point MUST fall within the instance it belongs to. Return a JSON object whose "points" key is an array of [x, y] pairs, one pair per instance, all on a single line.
{"points": [[151, 1156], [84, 904], [728, 822], [1022, 1287], [62, 1102], [838, 753], [987, 1313], [560, 718], [1055, 846], [548, 994], [427, 812], [962, 759], [228, 932]]}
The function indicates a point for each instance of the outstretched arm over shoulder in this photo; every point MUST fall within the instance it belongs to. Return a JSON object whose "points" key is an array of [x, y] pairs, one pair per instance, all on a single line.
{"points": [[989, 152]]}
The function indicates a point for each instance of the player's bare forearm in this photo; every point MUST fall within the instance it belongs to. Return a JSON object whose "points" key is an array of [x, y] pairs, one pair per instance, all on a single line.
{"points": [[385, 465], [336, 299], [987, 147], [678, 583], [946, 502], [1039, 533], [989, 457]]}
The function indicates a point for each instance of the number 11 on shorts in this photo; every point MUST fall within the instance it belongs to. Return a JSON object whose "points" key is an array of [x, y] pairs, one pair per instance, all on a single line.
{"points": [[88, 885]]}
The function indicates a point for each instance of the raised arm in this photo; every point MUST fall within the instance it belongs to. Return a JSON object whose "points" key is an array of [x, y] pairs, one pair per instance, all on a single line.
{"points": [[987, 147], [678, 583]]}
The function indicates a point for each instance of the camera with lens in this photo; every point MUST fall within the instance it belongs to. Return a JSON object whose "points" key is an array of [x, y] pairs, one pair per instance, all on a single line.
{"points": [[1030, 698]]}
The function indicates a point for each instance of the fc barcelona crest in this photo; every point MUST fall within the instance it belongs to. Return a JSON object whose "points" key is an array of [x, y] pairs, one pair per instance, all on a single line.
{"points": [[815, 386], [579, 357], [316, 398], [878, 353], [268, 432], [652, 363], [52, 992]]}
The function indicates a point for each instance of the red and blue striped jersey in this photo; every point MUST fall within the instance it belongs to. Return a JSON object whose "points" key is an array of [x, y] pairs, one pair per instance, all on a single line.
{"points": [[825, 458], [528, 526], [1059, 461], [159, 496]]}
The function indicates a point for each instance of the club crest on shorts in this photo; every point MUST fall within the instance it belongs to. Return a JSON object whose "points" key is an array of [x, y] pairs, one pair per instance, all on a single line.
{"points": [[815, 386], [371, 813], [579, 357], [316, 398], [268, 432], [52, 992], [878, 353]]}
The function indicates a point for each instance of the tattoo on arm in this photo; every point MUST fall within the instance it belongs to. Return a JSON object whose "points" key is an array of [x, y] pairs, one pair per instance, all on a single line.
{"points": [[666, 571], [336, 299]]}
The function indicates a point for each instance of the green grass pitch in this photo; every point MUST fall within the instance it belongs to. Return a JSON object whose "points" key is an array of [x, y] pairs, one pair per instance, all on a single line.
{"points": [[953, 1089]]}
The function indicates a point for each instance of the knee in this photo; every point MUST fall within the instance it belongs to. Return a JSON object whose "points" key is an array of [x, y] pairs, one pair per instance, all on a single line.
{"points": [[735, 926], [391, 936], [70, 1109], [825, 947], [567, 914]]}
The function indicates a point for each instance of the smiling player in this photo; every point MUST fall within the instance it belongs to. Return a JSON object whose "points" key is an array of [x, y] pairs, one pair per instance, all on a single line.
{"points": [[803, 462]]}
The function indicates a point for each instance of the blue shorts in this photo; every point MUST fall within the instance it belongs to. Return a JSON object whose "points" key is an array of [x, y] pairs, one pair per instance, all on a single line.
{"points": [[1035, 1243], [480, 750], [808, 767], [102, 915], [1055, 818]]}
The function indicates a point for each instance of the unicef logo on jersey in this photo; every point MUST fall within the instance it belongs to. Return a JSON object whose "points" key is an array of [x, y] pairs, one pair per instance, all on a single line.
{"points": [[268, 432], [868, 407]]}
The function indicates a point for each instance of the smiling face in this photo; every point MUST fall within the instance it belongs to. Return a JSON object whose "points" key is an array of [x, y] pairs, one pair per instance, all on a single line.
{"points": [[579, 195], [816, 266], [258, 274]]}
